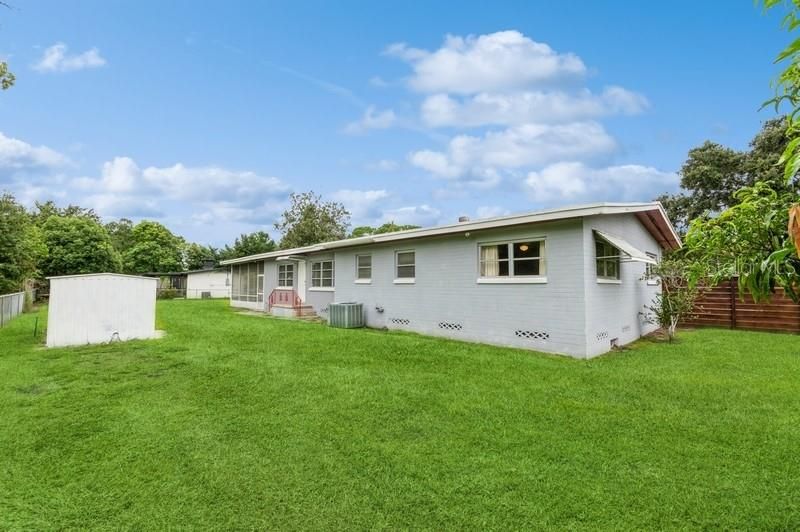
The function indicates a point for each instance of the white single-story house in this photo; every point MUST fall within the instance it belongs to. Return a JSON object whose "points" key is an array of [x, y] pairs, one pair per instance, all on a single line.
{"points": [[569, 280], [208, 283]]}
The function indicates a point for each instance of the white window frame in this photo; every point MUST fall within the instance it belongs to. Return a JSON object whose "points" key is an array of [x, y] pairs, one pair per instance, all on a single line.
{"points": [[282, 282], [511, 278], [607, 279], [397, 266], [359, 268], [652, 279], [320, 287]]}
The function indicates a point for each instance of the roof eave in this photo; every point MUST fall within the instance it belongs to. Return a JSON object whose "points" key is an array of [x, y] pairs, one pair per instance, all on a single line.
{"points": [[478, 225]]}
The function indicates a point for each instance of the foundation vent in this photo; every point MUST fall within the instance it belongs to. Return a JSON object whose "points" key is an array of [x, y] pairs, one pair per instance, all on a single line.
{"points": [[447, 326], [532, 335], [400, 321], [602, 335]]}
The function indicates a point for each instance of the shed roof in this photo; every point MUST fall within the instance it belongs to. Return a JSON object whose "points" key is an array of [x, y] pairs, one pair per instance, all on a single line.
{"points": [[650, 214], [101, 273]]}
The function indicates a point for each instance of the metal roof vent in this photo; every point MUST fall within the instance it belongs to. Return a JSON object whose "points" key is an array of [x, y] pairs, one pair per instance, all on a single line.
{"points": [[462, 219]]}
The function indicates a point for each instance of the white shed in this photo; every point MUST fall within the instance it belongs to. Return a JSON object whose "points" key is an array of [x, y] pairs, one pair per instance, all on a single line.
{"points": [[100, 307]]}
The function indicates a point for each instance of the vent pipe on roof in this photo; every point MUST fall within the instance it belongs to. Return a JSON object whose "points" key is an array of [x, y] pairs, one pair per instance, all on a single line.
{"points": [[462, 219]]}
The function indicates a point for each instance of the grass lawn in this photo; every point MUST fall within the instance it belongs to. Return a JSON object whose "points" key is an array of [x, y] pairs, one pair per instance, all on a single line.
{"points": [[234, 421]]}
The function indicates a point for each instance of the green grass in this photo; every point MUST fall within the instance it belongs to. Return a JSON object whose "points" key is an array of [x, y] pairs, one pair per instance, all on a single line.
{"points": [[241, 422]]}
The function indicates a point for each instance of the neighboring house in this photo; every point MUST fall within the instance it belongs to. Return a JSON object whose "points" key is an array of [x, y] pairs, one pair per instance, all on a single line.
{"points": [[569, 281], [207, 282], [215, 283]]}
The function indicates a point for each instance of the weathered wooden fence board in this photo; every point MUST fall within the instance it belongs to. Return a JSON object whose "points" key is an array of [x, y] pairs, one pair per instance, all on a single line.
{"points": [[722, 306]]}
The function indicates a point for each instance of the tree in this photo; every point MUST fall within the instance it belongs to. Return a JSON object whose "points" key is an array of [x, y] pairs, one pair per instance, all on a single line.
{"points": [[778, 249], [388, 227], [154, 249], [77, 244], [7, 79], [309, 220], [712, 174], [750, 240], [121, 233], [196, 255], [43, 211], [362, 230], [787, 87], [21, 245], [249, 244], [676, 299]]}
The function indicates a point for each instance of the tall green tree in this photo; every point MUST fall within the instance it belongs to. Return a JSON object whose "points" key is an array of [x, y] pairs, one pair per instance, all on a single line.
{"points": [[21, 245], [309, 220], [713, 173], [121, 233], [249, 244], [77, 244], [154, 249], [44, 210]]}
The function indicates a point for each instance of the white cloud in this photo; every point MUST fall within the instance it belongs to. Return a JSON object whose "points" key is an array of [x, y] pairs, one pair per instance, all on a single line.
{"points": [[213, 183], [372, 119], [364, 205], [492, 211], [574, 181], [505, 60], [120, 205], [16, 154], [57, 59], [382, 165], [528, 145], [423, 215], [264, 214], [123, 187], [528, 107]]}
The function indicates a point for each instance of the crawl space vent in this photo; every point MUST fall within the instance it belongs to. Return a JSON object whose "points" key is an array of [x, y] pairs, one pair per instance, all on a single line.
{"points": [[400, 321], [450, 326], [602, 335], [532, 335]]}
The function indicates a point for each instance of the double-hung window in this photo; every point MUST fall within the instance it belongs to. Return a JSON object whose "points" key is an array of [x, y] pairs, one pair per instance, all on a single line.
{"points": [[608, 259], [524, 259], [405, 264], [322, 274], [363, 268], [285, 275]]}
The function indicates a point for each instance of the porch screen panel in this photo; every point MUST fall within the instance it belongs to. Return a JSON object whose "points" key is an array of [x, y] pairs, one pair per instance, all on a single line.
{"points": [[236, 282], [245, 282]]}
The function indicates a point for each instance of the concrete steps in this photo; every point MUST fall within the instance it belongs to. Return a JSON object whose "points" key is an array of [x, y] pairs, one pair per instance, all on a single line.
{"points": [[306, 312]]}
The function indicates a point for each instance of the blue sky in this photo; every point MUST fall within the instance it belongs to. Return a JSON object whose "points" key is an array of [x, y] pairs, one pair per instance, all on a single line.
{"points": [[205, 116]]}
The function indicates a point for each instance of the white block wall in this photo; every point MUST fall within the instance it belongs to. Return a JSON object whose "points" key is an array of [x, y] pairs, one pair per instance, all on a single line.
{"points": [[614, 310], [446, 290]]}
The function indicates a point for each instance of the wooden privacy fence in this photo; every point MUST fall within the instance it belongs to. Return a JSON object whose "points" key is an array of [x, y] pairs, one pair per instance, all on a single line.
{"points": [[11, 306], [722, 306]]}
